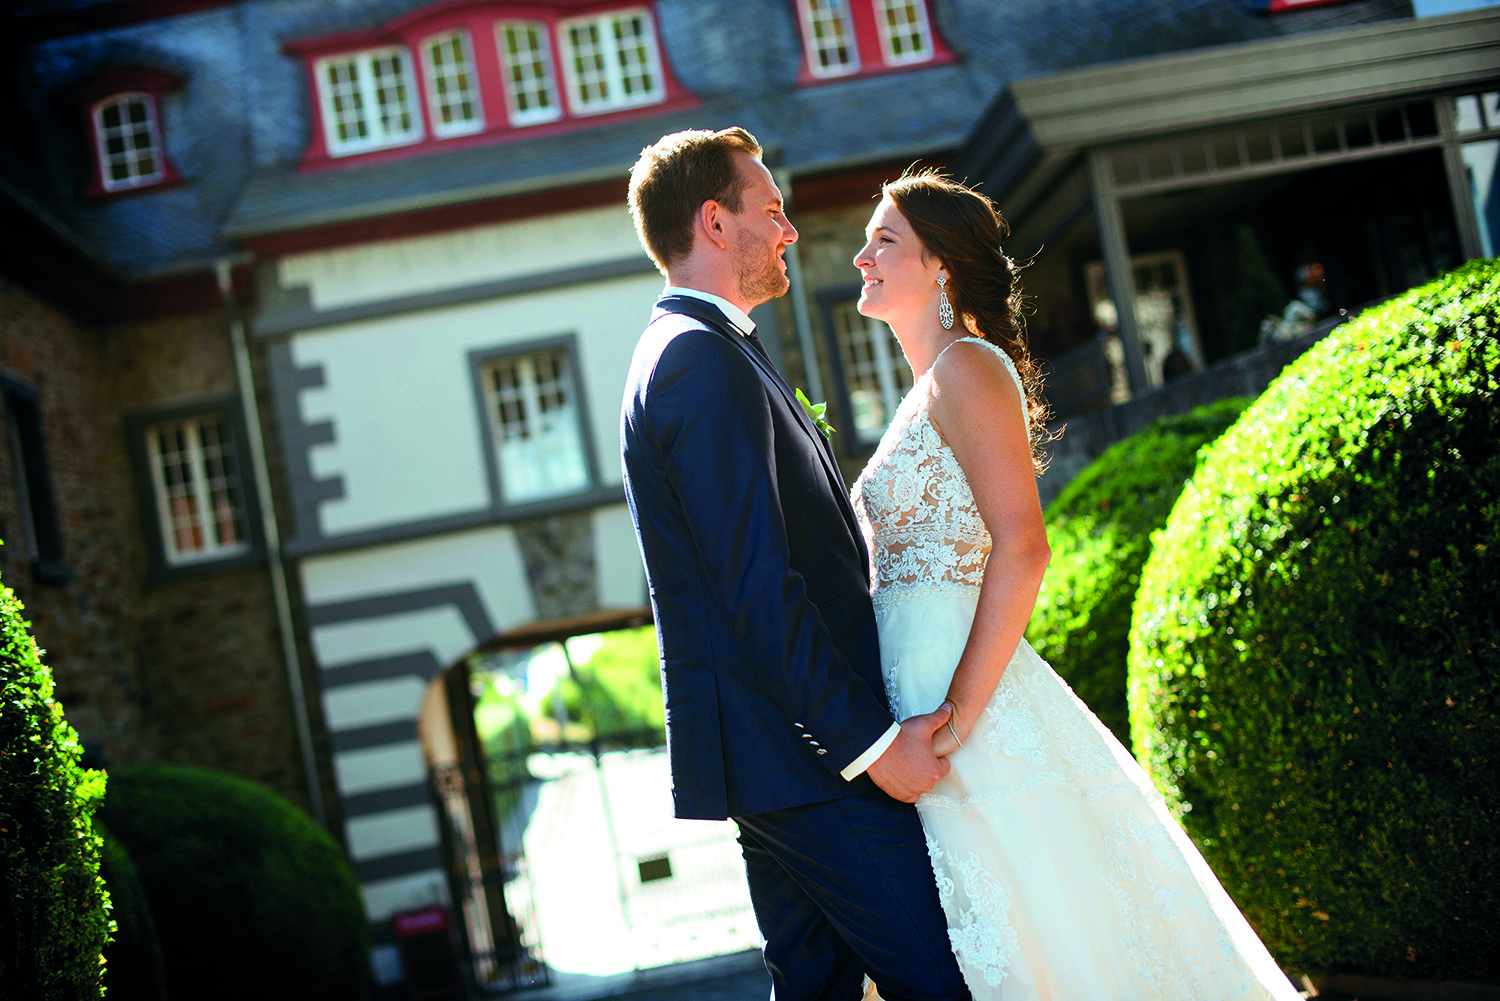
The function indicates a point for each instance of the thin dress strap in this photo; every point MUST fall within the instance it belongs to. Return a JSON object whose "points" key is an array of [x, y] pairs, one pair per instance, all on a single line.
{"points": [[1010, 366]]}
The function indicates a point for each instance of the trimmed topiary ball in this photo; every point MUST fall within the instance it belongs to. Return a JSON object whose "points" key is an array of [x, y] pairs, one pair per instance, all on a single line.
{"points": [[249, 895], [54, 909], [1100, 530], [1315, 651]]}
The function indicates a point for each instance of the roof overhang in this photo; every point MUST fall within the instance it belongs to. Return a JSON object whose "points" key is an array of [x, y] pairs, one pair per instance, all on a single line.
{"points": [[1030, 142]]}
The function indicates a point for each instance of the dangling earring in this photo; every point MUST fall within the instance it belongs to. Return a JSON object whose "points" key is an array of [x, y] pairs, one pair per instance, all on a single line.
{"points": [[945, 308]]}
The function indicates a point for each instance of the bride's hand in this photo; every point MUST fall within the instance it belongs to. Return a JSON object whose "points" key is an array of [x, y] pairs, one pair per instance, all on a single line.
{"points": [[945, 738]]}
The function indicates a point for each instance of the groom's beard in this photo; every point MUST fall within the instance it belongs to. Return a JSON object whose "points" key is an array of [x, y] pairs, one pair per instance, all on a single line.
{"points": [[760, 279]]}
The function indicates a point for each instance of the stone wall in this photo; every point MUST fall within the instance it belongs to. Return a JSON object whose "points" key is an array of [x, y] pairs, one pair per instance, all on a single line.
{"points": [[184, 671]]}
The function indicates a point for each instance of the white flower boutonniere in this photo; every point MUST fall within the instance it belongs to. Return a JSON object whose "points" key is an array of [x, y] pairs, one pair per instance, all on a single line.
{"points": [[815, 412]]}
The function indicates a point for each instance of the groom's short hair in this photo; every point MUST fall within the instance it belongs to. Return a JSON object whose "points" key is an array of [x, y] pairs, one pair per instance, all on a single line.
{"points": [[675, 176]]}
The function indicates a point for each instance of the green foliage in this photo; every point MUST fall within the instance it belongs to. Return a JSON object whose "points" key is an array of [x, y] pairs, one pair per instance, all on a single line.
{"points": [[1100, 530], [54, 909], [618, 690], [1315, 650], [133, 967], [249, 895]]}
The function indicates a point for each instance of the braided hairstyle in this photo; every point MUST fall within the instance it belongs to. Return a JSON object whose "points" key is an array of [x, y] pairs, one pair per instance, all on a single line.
{"points": [[963, 229]]}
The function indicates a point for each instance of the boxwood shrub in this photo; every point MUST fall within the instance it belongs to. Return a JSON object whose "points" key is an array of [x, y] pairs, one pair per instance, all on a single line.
{"points": [[132, 969], [54, 909], [1100, 530], [1315, 652], [251, 898]]}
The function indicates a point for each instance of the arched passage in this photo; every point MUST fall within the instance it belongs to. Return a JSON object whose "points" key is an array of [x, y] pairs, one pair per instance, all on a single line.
{"points": [[558, 828]]}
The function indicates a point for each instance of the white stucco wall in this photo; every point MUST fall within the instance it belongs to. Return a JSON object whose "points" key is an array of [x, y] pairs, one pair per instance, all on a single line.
{"points": [[388, 269], [399, 390]]}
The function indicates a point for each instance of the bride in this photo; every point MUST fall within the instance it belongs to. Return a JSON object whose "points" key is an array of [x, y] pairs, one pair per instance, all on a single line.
{"points": [[1061, 873]]}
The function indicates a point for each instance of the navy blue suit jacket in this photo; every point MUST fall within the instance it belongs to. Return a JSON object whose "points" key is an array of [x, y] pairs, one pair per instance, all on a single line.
{"points": [[758, 573]]}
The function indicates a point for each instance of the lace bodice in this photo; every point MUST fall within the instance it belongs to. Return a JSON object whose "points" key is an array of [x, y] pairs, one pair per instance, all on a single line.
{"points": [[914, 505]]}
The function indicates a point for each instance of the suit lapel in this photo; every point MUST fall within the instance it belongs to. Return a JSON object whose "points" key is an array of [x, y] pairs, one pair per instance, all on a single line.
{"points": [[710, 315]]}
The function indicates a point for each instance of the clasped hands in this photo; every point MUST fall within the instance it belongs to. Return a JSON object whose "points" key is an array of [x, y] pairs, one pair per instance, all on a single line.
{"points": [[918, 757]]}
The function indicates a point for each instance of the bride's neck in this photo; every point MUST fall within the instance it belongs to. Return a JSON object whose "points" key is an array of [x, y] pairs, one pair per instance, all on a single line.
{"points": [[923, 339]]}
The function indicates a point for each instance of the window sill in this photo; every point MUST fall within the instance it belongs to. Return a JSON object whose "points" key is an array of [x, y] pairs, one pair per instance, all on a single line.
{"points": [[806, 78]]}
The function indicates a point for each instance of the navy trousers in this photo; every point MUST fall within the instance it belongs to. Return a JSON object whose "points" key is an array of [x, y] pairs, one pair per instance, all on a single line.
{"points": [[845, 888]]}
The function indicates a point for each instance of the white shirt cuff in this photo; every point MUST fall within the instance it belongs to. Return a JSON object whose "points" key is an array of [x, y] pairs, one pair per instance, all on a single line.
{"points": [[857, 767]]}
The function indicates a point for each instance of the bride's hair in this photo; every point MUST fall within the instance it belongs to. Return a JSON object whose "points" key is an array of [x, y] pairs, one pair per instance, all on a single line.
{"points": [[963, 229]]}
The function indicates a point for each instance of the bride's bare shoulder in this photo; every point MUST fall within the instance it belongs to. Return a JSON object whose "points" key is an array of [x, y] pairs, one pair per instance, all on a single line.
{"points": [[973, 371]]}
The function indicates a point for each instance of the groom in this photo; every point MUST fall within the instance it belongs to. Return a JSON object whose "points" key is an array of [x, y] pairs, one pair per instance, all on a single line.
{"points": [[759, 581]]}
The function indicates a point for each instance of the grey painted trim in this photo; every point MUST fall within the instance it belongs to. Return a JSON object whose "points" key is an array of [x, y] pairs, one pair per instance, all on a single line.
{"points": [[292, 309], [402, 731], [402, 864], [422, 665], [158, 570], [480, 357], [297, 439], [598, 497], [464, 597], [367, 804]]}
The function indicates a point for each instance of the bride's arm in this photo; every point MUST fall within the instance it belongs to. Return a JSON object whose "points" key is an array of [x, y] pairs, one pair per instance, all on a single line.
{"points": [[977, 407]]}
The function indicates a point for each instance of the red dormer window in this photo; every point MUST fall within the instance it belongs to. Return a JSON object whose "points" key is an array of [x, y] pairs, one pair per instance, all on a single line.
{"points": [[843, 38], [470, 72], [123, 117]]}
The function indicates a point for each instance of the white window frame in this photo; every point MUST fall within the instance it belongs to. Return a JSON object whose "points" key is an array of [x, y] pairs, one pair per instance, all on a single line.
{"points": [[203, 495], [535, 115], [893, 378], [1156, 307], [549, 458], [810, 39], [613, 75], [377, 138], [887, 41], [102, 134], [430, 75]]}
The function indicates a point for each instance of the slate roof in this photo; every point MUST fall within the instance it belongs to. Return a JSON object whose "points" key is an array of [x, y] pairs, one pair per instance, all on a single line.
{"points": [[239, 125]]}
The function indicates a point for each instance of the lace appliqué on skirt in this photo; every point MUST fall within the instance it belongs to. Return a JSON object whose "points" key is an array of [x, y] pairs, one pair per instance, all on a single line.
{"points": [[984, 940]]}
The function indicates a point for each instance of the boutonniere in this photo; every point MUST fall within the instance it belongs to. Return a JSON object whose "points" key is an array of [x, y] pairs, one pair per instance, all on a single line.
{"points": [[815, 412]]}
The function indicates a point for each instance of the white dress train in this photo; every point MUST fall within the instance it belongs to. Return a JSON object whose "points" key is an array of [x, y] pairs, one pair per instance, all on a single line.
{"points": [[1062, 874]]}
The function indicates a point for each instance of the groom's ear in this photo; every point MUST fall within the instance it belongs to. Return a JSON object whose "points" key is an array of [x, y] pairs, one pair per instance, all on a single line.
{"points": [[710, 222]]}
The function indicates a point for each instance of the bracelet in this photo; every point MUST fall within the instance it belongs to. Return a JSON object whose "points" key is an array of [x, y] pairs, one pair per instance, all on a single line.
{"points": [[952, 714]]}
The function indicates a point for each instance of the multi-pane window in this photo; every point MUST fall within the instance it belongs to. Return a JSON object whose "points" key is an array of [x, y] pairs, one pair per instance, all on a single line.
{"points": [[530, 86], [534, 420], [875, 370], [904, 36], [128, 140], [831, 49], [198, 497], [452, 91], [367, 101], [612, 62]]}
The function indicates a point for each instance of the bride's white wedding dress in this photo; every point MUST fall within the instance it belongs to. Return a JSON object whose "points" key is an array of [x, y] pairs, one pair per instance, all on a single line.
{"points": [[1062, 874]]}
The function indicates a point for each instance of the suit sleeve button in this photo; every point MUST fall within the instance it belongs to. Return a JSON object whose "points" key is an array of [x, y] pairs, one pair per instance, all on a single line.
{"points": [[821, 751]]}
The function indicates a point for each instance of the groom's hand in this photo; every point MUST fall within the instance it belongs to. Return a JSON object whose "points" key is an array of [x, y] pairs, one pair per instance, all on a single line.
{"points": [[908, 768]]}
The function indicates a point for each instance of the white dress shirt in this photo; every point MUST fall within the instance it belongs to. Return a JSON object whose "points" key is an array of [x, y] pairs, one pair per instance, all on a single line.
{"points": [[746, 326]]}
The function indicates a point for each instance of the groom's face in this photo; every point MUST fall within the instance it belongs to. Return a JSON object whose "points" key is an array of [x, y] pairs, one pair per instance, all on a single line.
{"points": [[761, 232]]}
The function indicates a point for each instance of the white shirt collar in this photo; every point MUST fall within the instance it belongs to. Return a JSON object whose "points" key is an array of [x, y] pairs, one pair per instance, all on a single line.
{"points": [[731, 312]]}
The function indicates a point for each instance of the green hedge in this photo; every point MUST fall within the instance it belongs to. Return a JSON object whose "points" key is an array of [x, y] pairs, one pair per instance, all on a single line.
{"points": [[1100, 530], [1315, 650], [618, 690], [54, 916], [252, 900], [133, 968]]}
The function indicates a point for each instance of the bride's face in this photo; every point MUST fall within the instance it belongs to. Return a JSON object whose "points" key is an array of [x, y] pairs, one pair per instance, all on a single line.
{"points": [[900, 276]]}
